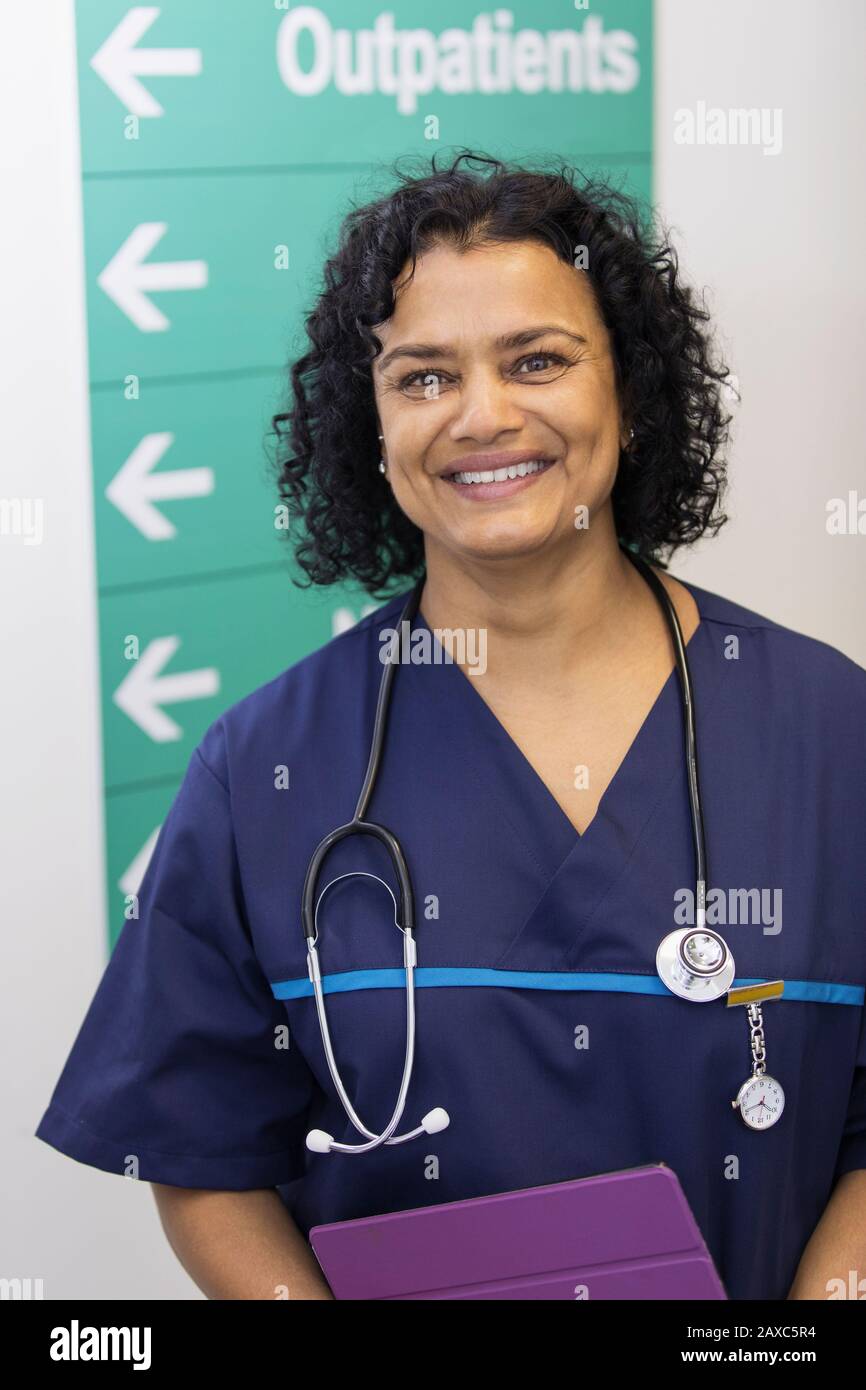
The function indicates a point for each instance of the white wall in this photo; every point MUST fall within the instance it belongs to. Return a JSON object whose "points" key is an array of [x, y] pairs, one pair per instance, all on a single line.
{"points": [[85, 1233], [777, 239]]}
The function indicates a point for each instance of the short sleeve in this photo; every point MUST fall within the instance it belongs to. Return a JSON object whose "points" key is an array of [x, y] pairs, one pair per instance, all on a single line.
{"points": [[852, 1148], [177, 1061]]}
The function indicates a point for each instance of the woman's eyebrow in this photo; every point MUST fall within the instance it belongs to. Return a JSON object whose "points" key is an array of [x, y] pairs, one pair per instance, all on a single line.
{"points": [[507, 340]]}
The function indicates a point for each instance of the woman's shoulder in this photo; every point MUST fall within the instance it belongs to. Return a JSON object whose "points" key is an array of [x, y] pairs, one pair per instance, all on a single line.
{"points": [[322, 695], [789, 667]]}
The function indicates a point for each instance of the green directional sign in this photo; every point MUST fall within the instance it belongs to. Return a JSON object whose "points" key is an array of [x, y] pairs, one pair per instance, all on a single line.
{"points": [[209, 273], [181, 485], [217, 84], [178, 655], [222, 142]]}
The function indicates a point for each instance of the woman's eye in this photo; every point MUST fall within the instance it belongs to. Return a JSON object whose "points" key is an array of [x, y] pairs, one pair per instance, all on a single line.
{"points": [[546, 358], [426, 381]]}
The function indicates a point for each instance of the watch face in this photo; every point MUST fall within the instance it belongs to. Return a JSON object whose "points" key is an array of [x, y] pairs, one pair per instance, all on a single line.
{"points": [[761, 1102]]}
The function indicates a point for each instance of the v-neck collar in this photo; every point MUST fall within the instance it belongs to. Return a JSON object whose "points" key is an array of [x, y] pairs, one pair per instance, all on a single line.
{"points": [[574, 872], [550, 814], [481, 827]]}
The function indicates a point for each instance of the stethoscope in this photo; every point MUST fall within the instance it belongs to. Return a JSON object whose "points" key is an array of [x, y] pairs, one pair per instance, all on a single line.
{"points": [[694, 962]]}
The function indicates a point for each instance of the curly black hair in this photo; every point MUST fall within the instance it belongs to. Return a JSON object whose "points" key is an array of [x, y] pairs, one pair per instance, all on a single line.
{"points": [[345, 523]]}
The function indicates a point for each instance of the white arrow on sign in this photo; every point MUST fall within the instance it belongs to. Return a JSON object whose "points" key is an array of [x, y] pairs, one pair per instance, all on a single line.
{"points": [[120, 64], [135, 487], [142, 692], [130, 880], [128, 276]]}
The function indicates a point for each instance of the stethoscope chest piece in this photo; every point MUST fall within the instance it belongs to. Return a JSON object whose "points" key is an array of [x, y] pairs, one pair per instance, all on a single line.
{"points": [[695, 964]]}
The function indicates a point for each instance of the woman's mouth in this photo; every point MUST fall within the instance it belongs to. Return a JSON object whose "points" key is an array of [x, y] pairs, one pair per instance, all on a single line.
{"points": [[489, 484]]}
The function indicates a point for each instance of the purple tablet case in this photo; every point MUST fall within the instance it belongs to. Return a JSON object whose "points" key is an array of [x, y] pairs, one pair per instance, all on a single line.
{"points": [[629, 1235]]}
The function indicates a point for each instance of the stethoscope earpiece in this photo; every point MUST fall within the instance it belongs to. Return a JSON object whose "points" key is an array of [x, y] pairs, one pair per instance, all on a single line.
{"points": [[318, 1142]]}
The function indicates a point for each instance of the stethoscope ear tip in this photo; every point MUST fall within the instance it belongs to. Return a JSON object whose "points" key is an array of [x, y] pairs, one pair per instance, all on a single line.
{"points": [[318, 1142], [435, 1120]]}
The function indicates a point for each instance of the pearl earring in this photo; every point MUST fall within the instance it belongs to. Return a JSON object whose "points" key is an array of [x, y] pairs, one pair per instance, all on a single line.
{"points": [[383, 467]]}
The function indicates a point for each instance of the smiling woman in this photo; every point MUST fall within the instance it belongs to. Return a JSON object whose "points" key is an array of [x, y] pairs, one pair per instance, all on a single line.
{"points": [[511, 400], [459, 294]]}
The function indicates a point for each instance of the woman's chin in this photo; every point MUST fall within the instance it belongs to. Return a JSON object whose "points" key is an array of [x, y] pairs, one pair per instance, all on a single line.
{"points": [[503, 542]]}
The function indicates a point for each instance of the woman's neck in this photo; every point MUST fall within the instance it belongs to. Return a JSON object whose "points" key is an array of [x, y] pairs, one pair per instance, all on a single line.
{"points": [[564, 614]]}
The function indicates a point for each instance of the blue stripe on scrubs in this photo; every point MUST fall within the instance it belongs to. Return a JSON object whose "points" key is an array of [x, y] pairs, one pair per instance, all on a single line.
{"points": [[184, 1059], [818, 990]]}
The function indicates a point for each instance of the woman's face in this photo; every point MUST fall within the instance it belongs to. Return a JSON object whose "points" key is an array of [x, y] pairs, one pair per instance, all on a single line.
{"points": [[498, 351]]}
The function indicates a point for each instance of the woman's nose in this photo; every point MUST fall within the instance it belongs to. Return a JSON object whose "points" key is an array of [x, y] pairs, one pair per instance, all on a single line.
{"points": [[486, 406]]}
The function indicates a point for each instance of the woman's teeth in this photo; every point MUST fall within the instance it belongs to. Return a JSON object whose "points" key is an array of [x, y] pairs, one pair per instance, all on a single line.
{"points": [[501, 475]]}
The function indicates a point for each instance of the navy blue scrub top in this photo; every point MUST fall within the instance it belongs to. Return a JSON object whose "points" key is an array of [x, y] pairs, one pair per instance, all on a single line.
{"points": [[542, 1026]]}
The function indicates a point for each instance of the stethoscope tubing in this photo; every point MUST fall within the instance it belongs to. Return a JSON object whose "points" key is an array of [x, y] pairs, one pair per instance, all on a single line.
{"points": [[690, 733], [383, 702], [404, 911], [387, 1135]]}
